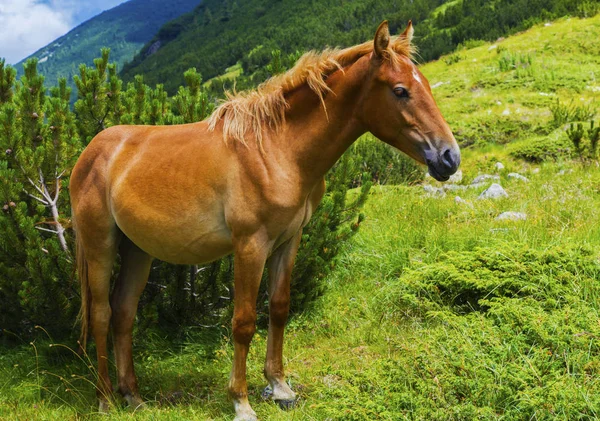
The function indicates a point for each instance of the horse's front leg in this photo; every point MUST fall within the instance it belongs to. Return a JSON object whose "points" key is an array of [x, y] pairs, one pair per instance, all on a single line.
{"points": [[280, 271], [249, 263]]}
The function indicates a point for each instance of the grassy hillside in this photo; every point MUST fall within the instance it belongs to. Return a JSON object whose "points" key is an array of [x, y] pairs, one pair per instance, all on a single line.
{"points": [[125, 29], [220, 34], [438, 310]]}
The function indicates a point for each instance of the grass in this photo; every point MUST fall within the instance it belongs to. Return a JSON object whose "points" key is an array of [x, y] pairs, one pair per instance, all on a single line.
{"points": [[370, 351], [501, 92], [436, 310]]}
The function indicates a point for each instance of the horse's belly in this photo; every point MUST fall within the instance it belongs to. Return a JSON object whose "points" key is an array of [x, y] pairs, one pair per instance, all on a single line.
{"points": [[181, 235], [192, 247]]}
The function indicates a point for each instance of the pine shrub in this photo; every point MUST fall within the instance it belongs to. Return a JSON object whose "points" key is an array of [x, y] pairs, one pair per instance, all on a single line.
{"points": [[40, 145]]}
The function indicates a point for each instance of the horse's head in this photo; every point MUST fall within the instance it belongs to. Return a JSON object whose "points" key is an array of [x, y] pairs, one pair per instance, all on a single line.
{"points": [[398, 107]]}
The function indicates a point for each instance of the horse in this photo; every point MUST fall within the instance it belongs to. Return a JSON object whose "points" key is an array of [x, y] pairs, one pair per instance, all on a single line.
{"points": [[244, 181]]}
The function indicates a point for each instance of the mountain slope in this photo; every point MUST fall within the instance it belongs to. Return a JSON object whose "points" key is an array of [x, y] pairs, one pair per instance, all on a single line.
{"points": [[219, 34], [125, 29]]}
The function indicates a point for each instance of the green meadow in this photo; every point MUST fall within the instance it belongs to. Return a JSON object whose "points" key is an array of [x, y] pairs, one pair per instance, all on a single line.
{"points": [[436, 310]]}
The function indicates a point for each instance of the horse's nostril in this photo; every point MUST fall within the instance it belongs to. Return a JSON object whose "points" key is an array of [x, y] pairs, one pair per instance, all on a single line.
{"points": [[447, 158]]}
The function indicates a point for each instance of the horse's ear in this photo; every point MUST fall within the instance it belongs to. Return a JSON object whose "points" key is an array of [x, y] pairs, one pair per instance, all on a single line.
{"points": [[382, 38], [408, 32]]}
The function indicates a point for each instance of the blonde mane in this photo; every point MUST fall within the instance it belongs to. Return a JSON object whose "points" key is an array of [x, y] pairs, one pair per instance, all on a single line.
{"points": [[249, 113]]}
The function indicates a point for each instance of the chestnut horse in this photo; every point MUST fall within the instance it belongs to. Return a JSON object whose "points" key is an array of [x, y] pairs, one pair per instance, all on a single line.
{"points": [[245, 182]]}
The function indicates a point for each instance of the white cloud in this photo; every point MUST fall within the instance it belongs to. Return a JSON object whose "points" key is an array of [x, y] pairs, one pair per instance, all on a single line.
{"points": [[28, 25]]}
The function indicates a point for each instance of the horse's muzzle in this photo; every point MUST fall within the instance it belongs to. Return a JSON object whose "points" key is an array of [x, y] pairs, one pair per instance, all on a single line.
{"points": [[442, 165]]}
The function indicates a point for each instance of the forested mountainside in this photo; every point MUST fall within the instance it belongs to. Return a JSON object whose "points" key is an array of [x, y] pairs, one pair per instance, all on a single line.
{"points": [[219, 34], [125, 29]]}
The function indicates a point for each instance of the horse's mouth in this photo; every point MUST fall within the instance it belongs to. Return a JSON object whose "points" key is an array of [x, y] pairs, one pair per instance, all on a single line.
{"points": [[433, 172]]}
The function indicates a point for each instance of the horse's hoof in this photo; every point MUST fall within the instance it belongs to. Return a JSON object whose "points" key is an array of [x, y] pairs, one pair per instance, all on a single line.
{"points": [[243, 411], [286, 404], [103, 407], [246, 417], [135, 403]]}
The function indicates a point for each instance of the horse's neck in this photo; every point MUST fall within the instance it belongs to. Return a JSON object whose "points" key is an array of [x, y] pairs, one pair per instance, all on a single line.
{"points": [[314, 138]]}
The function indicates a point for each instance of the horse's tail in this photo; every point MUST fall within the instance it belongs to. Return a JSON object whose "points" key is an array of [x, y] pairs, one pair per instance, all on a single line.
{"points": [[86, 296]]}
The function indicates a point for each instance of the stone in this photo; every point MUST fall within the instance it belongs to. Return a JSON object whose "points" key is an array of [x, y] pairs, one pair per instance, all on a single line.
{"points": [[453, 187], [512, 216], [460, 201], [563, 172], [434, 191], [485, 177], [495, 191], [499, 166], [517, 176], [456, 177]]}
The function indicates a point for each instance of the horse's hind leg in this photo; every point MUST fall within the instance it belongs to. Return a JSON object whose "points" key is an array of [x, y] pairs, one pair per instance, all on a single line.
{"points": [[135, 267], [100, 251]]}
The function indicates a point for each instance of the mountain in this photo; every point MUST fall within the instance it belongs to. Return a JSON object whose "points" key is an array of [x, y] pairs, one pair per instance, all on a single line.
{"points": [[220, 33], [125, 29]]}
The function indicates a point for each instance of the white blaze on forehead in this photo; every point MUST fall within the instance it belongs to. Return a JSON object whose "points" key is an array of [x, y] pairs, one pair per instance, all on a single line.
{"points": [[415, 75]]}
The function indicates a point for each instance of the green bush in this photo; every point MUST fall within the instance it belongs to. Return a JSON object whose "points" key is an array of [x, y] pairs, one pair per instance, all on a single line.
{"points": [[508, 62], [567, 113], [384, 164], [545, 148], [490, 129], [584, 141], [452, 58], [484, 278], [335, 221], [39, 144], [515, 332]]}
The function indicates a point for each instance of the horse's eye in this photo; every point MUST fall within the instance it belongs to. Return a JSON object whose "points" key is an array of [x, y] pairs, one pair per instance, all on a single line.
{"points": [[400, 92]]}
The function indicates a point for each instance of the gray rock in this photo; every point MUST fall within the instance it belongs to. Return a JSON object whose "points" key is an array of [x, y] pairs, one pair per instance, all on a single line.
{"points": [[495, 191], [517, 176], [453, 187], [456, 177], [563, 172], [499, 166], [485, 177], [434, 191], [511, 216], [476, 185], [460, 201]]}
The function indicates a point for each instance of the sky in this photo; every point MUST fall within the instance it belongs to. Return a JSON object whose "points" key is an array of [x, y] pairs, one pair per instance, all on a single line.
{"points": [[28, 25]]}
